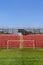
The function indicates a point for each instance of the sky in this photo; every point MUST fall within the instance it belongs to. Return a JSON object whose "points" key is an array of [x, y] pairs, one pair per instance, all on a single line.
{"points": [[21, 13]]}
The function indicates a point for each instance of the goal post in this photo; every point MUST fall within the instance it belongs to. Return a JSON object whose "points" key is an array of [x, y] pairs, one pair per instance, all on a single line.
{"points": [[21, 43]]}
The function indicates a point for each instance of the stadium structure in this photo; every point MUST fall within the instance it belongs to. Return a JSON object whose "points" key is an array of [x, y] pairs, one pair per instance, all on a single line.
{"points": [[23, 31], [21, 38]]}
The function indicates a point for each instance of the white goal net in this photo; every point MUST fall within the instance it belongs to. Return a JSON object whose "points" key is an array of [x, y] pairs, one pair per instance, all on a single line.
{"points": [[21, 43]]}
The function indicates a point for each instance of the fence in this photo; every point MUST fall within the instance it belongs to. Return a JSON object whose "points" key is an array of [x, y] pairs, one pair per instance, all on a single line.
{"points": [[22, 30]]}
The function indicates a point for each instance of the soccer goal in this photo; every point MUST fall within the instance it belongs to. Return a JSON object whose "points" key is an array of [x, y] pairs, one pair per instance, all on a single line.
{"points": [[21, 43]]}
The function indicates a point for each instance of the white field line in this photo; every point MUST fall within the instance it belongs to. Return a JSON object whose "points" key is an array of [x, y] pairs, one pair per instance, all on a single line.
{"points": [[19, 59]]}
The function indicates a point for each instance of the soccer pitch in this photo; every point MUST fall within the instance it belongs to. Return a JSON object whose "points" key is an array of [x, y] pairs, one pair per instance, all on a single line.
{"points": [[21, 56]]}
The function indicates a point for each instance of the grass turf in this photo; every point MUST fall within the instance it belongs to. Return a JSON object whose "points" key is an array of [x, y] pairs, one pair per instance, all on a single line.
{"points": [[21, 56]]}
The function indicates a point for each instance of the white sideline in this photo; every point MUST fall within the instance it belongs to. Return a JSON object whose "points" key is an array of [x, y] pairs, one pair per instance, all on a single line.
{"points": [[18, 59]]}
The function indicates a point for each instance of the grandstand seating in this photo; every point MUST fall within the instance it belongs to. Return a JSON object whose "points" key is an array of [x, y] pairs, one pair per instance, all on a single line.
{"points": [[36, 40]]}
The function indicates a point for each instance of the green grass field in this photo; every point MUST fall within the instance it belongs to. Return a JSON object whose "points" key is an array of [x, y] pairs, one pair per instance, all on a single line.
{"points": [[21, 56]]}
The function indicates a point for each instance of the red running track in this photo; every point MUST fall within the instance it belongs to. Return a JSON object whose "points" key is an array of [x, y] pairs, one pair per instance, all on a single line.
{"points": [[28, 41]]}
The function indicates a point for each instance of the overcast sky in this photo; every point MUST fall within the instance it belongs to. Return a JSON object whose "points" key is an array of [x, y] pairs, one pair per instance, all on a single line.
{"points": [[21, 13]]}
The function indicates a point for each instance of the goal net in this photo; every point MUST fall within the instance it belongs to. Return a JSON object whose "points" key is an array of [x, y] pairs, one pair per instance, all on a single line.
{"points": [[20, 44]]}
